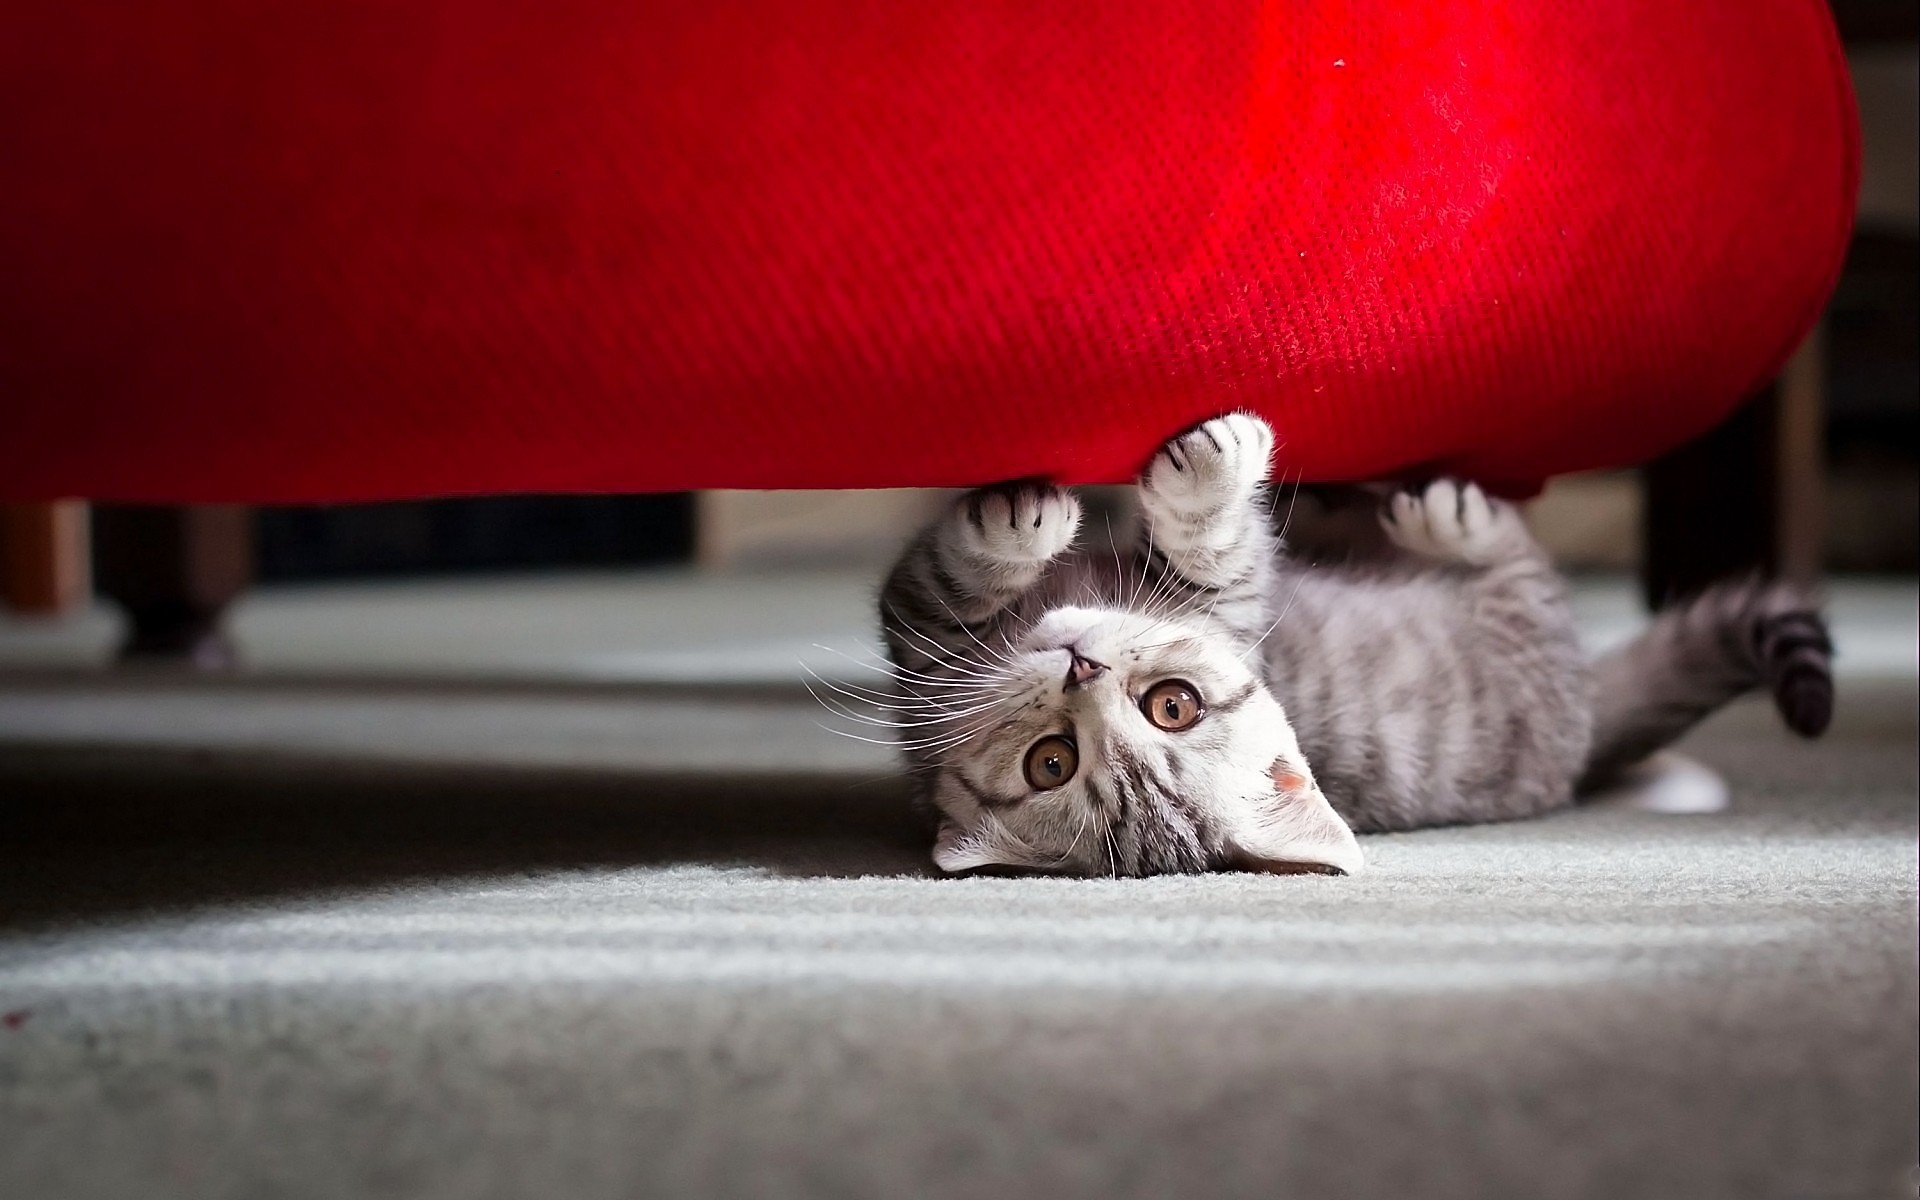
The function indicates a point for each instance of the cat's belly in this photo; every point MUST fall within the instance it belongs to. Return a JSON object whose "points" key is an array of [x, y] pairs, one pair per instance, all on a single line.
{"points": [[1414, 710]]}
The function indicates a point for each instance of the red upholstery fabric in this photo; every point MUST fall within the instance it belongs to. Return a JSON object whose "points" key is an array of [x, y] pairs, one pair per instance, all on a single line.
{"points": [[348, 249]]}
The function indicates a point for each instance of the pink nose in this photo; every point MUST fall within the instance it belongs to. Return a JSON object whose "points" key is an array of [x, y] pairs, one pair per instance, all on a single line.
{"points": [[1080, 670]]}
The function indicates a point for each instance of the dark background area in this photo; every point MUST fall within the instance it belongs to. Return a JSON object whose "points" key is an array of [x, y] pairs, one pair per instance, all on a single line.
{"points": [[491, 533], [1873, 358]]}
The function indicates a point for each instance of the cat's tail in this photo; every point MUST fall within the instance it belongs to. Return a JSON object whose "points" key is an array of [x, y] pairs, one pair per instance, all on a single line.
{"points": [[1702, 653]]}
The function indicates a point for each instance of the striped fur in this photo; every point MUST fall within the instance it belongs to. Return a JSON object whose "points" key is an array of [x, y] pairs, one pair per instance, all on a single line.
{"points": [[1438, 682], [1696, 656]]}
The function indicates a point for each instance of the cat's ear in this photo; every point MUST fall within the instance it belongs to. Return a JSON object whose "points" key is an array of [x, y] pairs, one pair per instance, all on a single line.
{"points": [[985, 845], [1295, 830]]}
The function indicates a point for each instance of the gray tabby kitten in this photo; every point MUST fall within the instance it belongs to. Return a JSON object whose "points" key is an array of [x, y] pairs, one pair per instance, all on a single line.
{"points": [[1209, 703]]}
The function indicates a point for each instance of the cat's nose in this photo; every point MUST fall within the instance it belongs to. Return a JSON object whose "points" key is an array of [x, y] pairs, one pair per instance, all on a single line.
{"points": [[1080, 670]]}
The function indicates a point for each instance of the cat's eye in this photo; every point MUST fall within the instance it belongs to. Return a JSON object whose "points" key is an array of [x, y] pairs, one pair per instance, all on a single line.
{"points": [[1051, 761], [1173, 705]]}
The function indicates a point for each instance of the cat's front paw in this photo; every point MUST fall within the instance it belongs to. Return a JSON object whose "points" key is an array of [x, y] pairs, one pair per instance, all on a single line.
{"points": [[1215, 465], [1019, 523], [1455, 522]]}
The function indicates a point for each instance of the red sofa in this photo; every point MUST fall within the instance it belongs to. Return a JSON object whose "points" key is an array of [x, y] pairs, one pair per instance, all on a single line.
{"points": [[359, 249]]}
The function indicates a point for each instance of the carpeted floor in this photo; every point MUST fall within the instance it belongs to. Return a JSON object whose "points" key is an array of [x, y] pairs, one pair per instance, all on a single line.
{"points": [[313, 939]]}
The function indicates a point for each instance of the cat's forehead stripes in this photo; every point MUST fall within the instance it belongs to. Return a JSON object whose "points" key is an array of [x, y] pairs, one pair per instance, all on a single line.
{"points": [[1179, 646], [1164, 835], [1234, 699]]}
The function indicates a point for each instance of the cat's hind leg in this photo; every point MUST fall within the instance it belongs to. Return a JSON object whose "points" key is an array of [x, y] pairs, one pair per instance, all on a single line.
{"points": [[1450, 521]]}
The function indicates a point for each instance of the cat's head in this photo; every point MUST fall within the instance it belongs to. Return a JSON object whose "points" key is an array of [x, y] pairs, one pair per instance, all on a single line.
{"points": [[1112, 742]]}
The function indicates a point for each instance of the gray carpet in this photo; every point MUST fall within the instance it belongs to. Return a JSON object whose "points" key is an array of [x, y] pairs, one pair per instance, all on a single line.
{"points": [[461, 943]]}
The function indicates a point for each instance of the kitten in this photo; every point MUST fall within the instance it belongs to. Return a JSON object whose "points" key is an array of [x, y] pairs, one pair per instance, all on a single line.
{"points": [[1206, 702]]}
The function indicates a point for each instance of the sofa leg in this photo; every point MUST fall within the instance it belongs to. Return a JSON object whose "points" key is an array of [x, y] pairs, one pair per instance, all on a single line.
{"points": [[174, 571], [1709, 510], [43, 557], [1745, 497]]}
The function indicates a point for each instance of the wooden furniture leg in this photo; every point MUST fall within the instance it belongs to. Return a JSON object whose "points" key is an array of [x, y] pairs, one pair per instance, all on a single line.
{"points": [[43, 557], [174, 570], [1745, 497]]}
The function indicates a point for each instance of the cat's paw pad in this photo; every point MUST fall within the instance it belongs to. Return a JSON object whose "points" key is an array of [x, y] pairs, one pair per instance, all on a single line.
{"points": [[1217, 462], [1456, 522], [1020, 522]]}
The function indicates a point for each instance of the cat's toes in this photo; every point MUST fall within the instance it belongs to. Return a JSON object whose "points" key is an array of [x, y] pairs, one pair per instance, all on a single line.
{"points": [[1216, 462], [1456, 522], [1019, 522]]}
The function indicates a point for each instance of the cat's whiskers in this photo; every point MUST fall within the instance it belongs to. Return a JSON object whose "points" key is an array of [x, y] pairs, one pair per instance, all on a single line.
{"points": [[972, 671], [1213, 596], [956, 683], [956, 673], [1292, 504], [1134, 602], [884, 723], [913, 712], [992, 720], [904, 700], [992, 652], [1119, 571], [948, 713], [925, 744], [1187, 606], [1158, 645], [1133, 598], [959, 679], [1261, 640], [1066, 856], [893, 671], [1170, 580], [907, 628], [1000, 655], [946, 744], [889, 743], [901, 706]]}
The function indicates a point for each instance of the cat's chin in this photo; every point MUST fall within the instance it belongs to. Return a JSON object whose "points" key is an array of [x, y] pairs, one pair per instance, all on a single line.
{"points": [[1067, 626]]}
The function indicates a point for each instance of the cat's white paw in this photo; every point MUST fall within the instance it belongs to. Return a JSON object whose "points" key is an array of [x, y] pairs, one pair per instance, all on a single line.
{"points": [[1022, 523], [1455, 522], [1214, 465]]}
